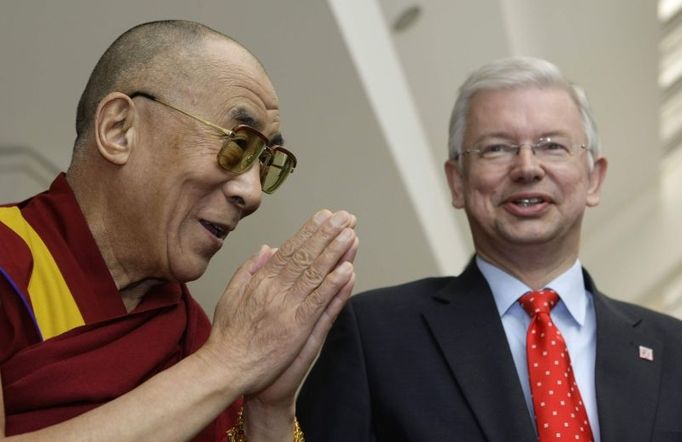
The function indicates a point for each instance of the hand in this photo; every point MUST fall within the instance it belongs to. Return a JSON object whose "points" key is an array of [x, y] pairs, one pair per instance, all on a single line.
{"points": [[281, 393], [270, 318]]}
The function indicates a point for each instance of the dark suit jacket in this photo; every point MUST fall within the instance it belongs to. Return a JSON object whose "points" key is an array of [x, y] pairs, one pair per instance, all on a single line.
{"points": [[429, 361]]}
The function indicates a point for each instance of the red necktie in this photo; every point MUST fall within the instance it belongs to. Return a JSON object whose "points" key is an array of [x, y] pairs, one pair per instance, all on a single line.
{"points": [[559, 410]]}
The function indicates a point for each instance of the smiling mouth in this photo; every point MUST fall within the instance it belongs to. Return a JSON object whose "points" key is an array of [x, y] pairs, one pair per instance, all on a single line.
{"points": [[528, 202], [217, 230]]}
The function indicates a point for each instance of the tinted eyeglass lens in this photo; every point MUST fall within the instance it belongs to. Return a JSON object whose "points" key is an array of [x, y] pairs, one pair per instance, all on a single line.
{"points": [[241, 150], [274, 174]]}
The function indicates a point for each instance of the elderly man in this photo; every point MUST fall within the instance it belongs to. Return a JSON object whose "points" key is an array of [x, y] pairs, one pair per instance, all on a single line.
{"points": [[521, 346], [178, 133]]}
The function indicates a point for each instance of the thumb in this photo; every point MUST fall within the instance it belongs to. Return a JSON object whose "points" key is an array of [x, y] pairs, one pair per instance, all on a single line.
{"points": [[257, 261], [248, 268], [252, 265]]}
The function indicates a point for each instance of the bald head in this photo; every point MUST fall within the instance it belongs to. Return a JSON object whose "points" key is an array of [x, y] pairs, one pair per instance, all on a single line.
{"points": [[150, 55]]}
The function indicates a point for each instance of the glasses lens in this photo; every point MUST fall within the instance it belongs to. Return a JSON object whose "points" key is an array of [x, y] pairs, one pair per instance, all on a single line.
{"points": [[241, 150], [274, 174]]}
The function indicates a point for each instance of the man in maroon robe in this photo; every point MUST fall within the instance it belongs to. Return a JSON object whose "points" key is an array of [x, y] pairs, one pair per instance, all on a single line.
{"points": [[177, 135]]}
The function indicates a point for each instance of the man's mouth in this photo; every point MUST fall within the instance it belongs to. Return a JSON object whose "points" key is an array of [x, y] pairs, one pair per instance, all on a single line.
{"points": [[528, 202], [218, 230]]}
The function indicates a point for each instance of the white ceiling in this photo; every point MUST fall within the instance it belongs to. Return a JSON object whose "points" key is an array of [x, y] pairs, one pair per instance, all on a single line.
{"points": [[342, 133]]}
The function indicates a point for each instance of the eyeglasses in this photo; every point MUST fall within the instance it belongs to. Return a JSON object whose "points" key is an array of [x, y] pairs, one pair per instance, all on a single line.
{"points": [[547, 149], [244, 146]]}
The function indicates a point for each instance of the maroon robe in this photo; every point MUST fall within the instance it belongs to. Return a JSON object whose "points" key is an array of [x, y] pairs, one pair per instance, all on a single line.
{"points": [[102, 352]]}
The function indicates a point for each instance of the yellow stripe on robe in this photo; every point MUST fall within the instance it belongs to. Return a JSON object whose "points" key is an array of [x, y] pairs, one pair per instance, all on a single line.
{"points": [[53, 305]]}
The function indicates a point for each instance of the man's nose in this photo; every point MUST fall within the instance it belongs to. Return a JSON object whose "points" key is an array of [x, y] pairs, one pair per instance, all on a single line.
{"points": [[244, 190], [526, 165]]}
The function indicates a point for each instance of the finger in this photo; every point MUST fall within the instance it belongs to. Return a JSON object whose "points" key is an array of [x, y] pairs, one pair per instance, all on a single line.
{"points": [[329, 259], [261, 258], [310, 308], [240, 279], [324, 323], [290, 246], [249, 267], [318, 243], [354, 222], [352, 251]]}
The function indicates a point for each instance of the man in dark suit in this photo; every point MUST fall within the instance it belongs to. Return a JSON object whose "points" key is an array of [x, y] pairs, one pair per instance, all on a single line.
{"points": [[521, 346]]}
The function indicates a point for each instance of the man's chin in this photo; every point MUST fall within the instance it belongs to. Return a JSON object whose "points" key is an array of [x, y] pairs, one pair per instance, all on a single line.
{"points": [[190, 269], [530, 236]]}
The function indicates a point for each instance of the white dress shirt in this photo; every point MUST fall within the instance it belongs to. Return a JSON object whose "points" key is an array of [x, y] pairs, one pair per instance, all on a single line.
{"points": [[573, 315]]}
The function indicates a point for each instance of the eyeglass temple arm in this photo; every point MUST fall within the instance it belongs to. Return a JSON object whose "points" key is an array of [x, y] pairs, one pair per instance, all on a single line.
{"points": [[227, 132]]}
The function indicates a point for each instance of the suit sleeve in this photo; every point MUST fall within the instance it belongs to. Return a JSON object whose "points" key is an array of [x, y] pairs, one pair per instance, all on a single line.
{"points": [[334, 402]]}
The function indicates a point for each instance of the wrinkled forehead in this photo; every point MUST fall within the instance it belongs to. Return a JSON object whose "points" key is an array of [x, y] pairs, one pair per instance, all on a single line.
{"points": [[229, 63], [491, 102], [522, 111], [231, 84]]}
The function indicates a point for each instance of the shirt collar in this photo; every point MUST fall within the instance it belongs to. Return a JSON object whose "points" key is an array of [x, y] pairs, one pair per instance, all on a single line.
{"points": [[506, 288]]}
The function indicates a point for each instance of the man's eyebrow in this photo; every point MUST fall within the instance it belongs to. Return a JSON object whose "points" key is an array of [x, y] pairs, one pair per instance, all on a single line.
{"points": [[277, 140], [242, 116], [554, 133], [487, 136]]}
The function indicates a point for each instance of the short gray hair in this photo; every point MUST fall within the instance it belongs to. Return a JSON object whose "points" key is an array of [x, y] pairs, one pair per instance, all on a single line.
{"points": [[516, 73]]}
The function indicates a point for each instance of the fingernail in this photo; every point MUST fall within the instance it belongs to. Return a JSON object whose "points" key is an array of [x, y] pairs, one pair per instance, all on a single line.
{"points": [[345, 268], [320, 217], [339, 219]]}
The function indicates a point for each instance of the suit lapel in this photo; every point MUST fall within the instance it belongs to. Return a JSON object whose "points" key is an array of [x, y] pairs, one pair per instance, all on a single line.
{"points": [[467, 327], [626, 384]]}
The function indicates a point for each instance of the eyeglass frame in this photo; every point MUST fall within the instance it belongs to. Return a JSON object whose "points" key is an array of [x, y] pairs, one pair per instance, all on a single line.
{"points": [[515, 149], [271, 149]]}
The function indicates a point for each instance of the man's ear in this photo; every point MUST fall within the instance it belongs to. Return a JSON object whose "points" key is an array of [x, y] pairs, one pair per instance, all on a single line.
{"points": [[596, 177], [114, 120], [455, 182]]}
